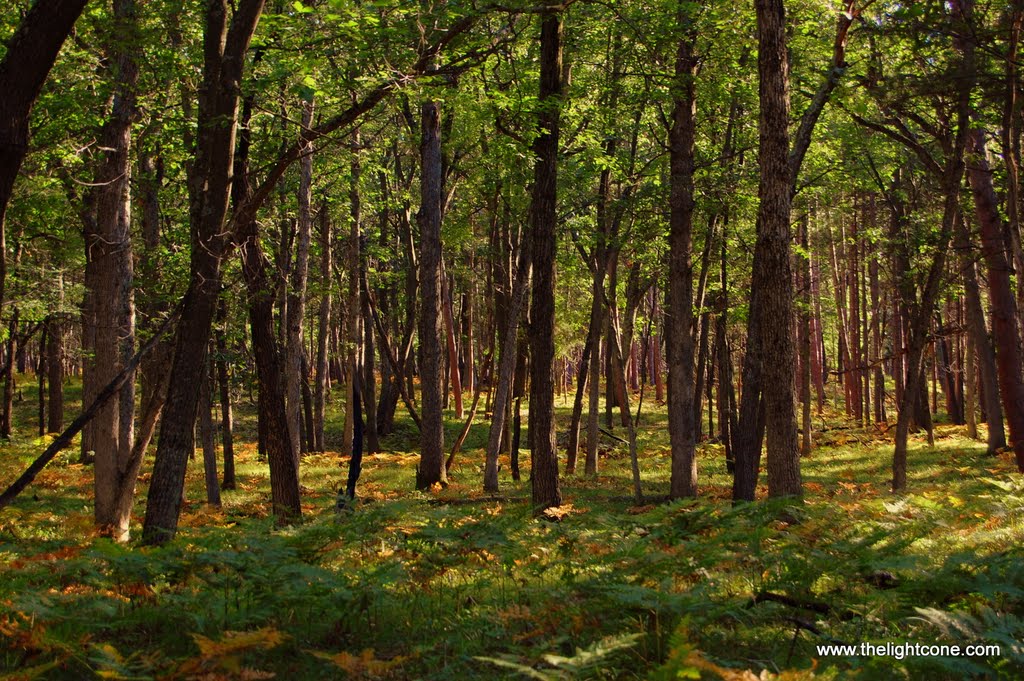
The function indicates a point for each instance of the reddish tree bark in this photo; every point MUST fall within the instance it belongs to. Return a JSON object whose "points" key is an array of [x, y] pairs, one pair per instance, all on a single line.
{"points": [[1005, 330]]}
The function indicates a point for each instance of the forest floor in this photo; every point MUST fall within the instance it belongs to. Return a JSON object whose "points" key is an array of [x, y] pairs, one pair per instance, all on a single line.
{"points": [[413, 585]]}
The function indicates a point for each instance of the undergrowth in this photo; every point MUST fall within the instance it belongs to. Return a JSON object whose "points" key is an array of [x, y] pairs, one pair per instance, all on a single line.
{"points": [[412, 585]]}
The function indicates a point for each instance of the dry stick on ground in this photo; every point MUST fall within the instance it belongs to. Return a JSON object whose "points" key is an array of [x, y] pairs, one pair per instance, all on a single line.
{"points": [[813, 606], [101, 400], [469, 419]]}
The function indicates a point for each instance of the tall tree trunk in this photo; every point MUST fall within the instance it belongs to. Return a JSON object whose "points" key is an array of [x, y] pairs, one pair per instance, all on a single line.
{"points": [[113, 308], [593, 410], [368, 380], [679, 299], [210, 182], [323, 332], [981, 342], [41, 379], [295, 352], [804, 338], [353, 308], [543, 221], [1005, 330], [284, 479], [431, 467], [771, 320]]}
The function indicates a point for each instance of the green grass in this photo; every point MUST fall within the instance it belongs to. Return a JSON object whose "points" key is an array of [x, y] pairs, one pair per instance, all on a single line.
{"points": [[407, 586]]}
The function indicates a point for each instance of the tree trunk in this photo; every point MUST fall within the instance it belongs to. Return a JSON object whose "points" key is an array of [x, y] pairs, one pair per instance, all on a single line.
{"points": [[447, 301], [506, 370], [224, 392], [771, 320], [1005, 331], [368, 380], [323, 332], [431, 467], [55, 374], [6, 425], [295, 352], [284, 480], [210, 182], [593, 409], [543, 221], [110, 251], [804, 338], [981, 342], [206, 437], [679, 299]]}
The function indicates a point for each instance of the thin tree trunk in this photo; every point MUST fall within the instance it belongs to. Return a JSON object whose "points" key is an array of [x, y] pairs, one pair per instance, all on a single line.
{"points": [[295, 349], [447, 301], [6, 418], [804, 338], [323, 332], [224, 387], [55, 374], [506, 370], [206, 437]]}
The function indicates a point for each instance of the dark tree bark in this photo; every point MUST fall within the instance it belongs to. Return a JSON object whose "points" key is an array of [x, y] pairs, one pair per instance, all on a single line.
{"points": [[284, 480], [41, 380], [210, 182], [454, 375], [543, 221], [431, 467], [771, 318], [679, 304]]}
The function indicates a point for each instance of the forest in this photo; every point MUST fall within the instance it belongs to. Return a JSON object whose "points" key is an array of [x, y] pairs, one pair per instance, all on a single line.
{"points": [[453, 339]]}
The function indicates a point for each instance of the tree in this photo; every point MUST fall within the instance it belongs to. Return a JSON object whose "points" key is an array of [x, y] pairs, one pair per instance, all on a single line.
{"points": [[431, 468], [225, 45], [679, 306], [543, 221], [30, 55]]}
